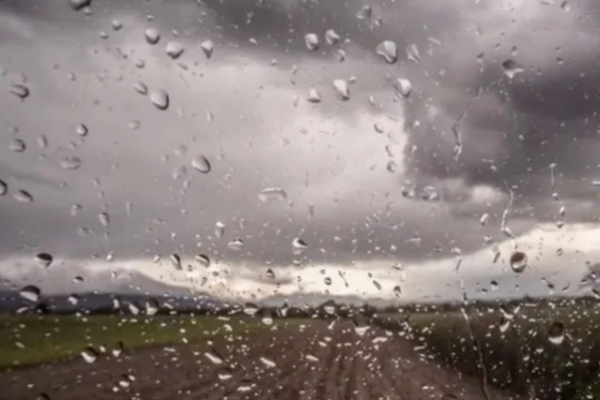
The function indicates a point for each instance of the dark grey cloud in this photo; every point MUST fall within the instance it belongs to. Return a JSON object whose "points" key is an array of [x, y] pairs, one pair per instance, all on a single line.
{"points": [[328, 157]]}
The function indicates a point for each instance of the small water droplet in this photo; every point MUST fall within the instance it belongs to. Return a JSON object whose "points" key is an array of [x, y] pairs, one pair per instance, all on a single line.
{"points": [[75, 210], [412, 52], [152, 306], [17, 145], [565, 6], [77, 5], [70, 163], [250, 309], [141, 88], [23, 196], [518, 261], [403, 86], [392, 166], [270, 194], [174, 49], [104, 219], [152, 35], [30, 293], [201, 164], [203, 260], [484, 218], [219, 229], [207, 47], [365, 12], [331, 37], [160, 99], [3, 188], [267, 362], [341, 89], [511, 68], [556, 333], [19, 90], [311, 358], [397, 291], [236, 244], [116, 24], [89, 355], [81, 130], [314, 96], [327, 280], [387, 49], [44, 259], [175, 261], [214, 357], [299, 246], [311, 40]]}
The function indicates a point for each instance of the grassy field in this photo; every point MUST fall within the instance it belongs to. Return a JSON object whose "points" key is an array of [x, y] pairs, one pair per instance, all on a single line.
{"points": [[30, 340], [543, 351]]}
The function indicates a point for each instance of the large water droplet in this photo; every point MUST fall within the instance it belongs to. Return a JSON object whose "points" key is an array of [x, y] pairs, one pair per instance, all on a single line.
{"points": [[201, 164], [331, 37], [160, 99], [44, 259], [403, 86], [207, 48], [387, 49], [518, 261], [70, 163], [314, 96], [152, 35], [311, 40], [341, 89], [365, 12], [556, 333], [19, 90], [270, 194], [77, 5], [89, 355], [174, 49], [17, 145], [23, 196], [30, 293]]}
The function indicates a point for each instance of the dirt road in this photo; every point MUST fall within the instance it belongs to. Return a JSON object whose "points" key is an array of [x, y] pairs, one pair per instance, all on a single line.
{"points": [[288, 363]]}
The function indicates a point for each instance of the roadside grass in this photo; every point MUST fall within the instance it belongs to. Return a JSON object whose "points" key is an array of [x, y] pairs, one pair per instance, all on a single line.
{"points": [[516, 348], [36, 339]]}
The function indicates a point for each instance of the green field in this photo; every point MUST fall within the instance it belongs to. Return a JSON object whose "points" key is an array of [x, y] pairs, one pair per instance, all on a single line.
{"points": [[544, 351], [30, 340]]}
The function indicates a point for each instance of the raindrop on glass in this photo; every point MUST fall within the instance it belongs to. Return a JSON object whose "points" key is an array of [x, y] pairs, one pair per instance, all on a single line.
{"points": [[19, 90], [556, 333], [387, 49], [270, 194], [70, 163], [160, 99], [201, 164], [17, 145], [44, 259], [30, 293], [89, 355], [311, 40], [511, 68], [518, 261], [331, 37], [141, 88], [341, 89], [403, 86], [236, 244], [207, 48], [23, 196], [174, 49], [365, 12], [152, 35], [77, 5], [314, 96]]}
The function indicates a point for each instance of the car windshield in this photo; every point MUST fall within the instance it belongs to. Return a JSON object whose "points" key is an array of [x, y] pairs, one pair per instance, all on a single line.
{"points": [[299, 199]]}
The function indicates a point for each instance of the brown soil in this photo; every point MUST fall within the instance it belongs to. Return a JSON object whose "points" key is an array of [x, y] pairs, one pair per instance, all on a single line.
{"points": [[377, 365]]}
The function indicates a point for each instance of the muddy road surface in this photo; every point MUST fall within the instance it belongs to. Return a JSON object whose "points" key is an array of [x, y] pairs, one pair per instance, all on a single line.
{"points": [[289, 362]]}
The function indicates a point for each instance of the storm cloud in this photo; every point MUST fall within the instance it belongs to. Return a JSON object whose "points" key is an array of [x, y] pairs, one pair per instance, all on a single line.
{"points": [[366, 183]]}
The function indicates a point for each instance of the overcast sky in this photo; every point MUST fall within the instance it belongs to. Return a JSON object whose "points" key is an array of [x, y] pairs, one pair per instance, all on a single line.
{"points": [[501, 120]]}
